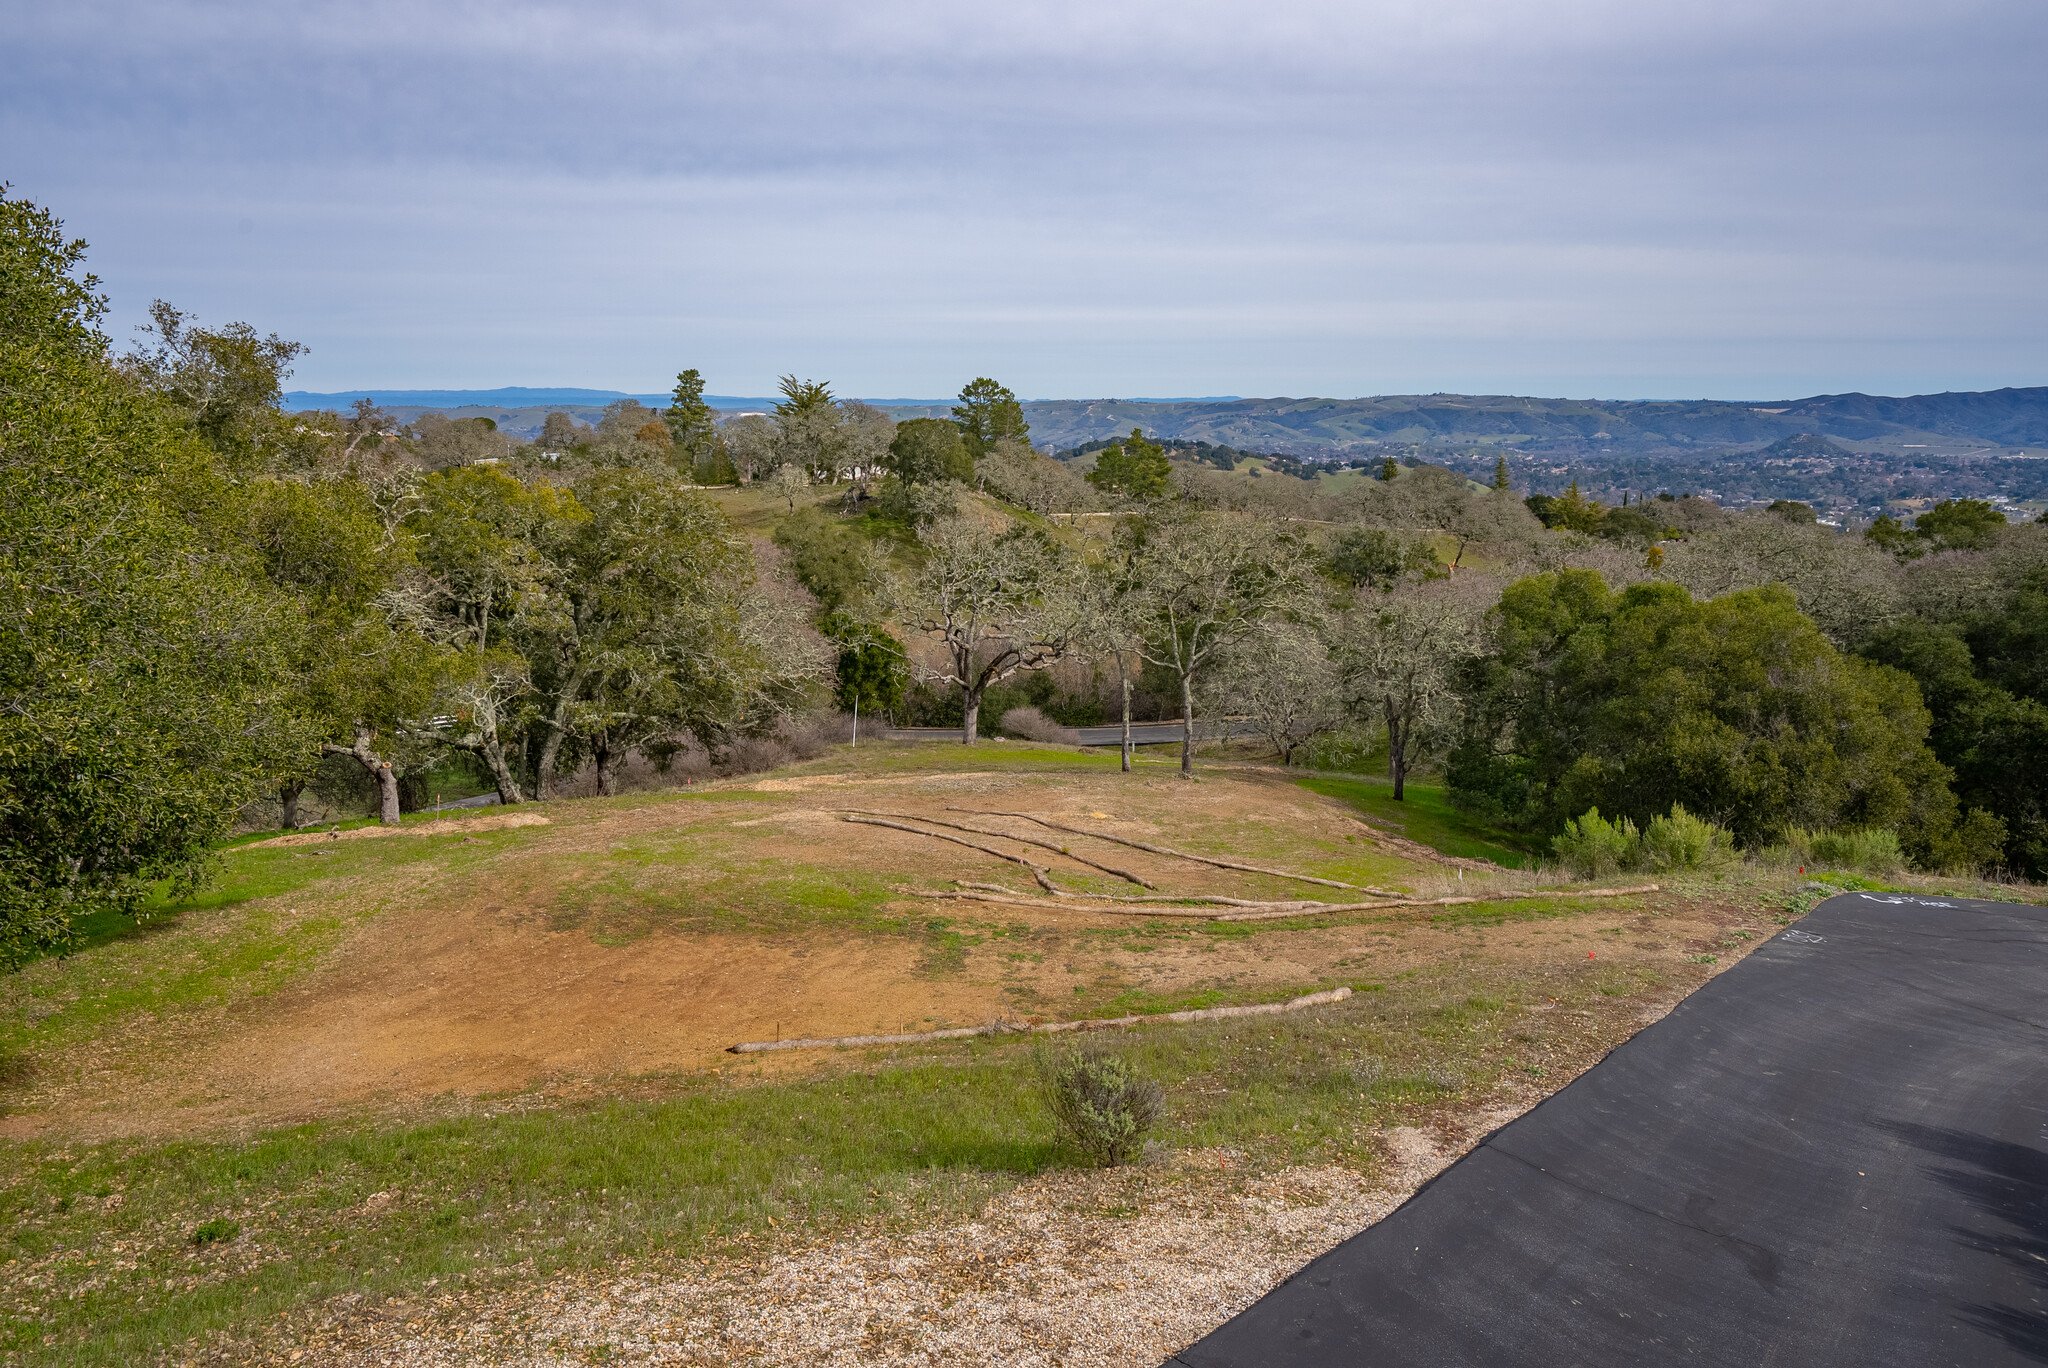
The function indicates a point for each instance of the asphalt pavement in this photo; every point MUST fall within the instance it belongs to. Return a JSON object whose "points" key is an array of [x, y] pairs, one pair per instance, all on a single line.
{"points": [[1834, 1153]]}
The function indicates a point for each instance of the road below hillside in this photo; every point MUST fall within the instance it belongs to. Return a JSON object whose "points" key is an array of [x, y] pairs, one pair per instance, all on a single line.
{"points": [[1834, 1153]]}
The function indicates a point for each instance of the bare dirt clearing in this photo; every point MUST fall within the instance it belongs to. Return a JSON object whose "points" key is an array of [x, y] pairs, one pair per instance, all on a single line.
{"points": [[643, 935]]}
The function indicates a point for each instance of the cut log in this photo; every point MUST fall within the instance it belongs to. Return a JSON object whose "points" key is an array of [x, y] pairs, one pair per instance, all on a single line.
{"points": [[997, 1028], [1181, 854], [1038, 872], [1124, 874]]}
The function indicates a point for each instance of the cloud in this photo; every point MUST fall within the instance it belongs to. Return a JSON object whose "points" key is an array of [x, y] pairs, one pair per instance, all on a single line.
{"points": [[1590, 197]]}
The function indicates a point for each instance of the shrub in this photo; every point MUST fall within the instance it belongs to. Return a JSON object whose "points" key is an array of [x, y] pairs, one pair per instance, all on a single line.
{"points": [[219, 1228], [1683, 841], [1590, 846], [1874, 851], [1033, 725], [1100, 1102]]}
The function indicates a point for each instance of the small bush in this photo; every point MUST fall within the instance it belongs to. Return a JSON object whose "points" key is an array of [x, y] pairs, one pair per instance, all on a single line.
{"points": [[1683, 841], [1873, 851], [1033, 725], [1591, 846], [1100, 1102], [219, 1228]]}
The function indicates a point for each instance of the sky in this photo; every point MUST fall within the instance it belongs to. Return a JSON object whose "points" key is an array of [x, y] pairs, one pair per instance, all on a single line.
{"points": [[1596, 198]]}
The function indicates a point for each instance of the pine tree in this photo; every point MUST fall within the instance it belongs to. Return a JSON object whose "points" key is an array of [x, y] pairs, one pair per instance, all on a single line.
{"points": [[1500, 473]]}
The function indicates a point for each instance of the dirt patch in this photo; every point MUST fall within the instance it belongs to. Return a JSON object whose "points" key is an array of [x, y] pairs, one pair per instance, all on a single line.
{"points": [[445, 827], [615, 944]]}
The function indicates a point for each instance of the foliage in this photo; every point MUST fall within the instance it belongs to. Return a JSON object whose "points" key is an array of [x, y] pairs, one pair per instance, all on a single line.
{"points": [[989, 413], [226, 381], [1570, 511], [1102, 1105], [1679, 840], [1374, 558], [1590, 846], [1132, 469], [929, 451], [1792, 511], [143, 671], [1993, 739], [692, 423], [829, 558], [1736, 707], [1870, 850], [1959, 524]]}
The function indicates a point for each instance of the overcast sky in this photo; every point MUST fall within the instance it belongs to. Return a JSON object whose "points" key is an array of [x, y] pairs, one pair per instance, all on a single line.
{"points": [[1616, 199]]}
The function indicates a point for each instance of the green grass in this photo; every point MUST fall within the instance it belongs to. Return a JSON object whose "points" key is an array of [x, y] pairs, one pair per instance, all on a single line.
{"points": [[1425, 815], [223, 1238]]}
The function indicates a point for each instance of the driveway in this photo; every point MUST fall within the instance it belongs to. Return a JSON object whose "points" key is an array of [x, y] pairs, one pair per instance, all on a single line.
{"points": [[1834, 1153]]}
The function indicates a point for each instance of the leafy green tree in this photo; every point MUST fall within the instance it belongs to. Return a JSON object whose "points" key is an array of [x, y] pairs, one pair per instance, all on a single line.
{"points": [[143, 695], [1570, 511], [692, 423], [872, 670], [227, 381], [1374, 558], [988, 413], [1737, 707], [1792, 511], [1959, 524], [808, 431], [358, 675], [1501, 478], [1134, 468], [638, 634], [929, 451], [1889, 534], [484, 541], [1996, 744], [1389, 471], [830, 559]]}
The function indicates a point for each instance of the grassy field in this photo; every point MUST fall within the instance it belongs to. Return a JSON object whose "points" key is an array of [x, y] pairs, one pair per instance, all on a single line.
{"points": [[474, 1056]]}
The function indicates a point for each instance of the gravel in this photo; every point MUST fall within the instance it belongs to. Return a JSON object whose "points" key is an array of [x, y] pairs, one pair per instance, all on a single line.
{"points": [[1075, 1270]]}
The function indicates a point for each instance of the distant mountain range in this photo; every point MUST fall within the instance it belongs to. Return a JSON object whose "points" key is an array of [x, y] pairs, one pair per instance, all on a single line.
{"points": [[2003, 418], [2006, 418]]}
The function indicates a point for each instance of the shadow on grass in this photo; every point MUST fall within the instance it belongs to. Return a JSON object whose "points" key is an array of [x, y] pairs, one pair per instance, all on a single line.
{"points": [[1427, 816]]}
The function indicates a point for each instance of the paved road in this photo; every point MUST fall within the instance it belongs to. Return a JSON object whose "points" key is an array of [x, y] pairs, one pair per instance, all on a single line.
{"points": [[1835, 1153]]}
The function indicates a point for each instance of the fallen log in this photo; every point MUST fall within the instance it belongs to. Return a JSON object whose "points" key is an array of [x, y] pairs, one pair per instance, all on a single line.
{"points": [[1124, 874], [997, 1028], [1266, 911], [1177, 854], [1038, 872]]}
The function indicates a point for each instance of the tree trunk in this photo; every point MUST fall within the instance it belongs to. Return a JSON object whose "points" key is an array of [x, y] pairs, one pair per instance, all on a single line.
{"points": [[1187, 727], [288, 796], [387, 794], [493, 752], [970, 715], [607, 760], [378, 769], [1397, 750], [1123, 678]]}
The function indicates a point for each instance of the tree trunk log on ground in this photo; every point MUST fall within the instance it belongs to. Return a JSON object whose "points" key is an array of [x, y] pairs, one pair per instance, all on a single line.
{"points": [[995, 1028]]}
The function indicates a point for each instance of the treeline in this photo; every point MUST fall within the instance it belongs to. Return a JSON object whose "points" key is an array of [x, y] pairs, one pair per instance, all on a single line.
{"points": [[212, 601], [1547, 656]]}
